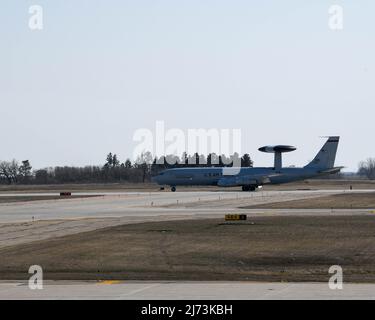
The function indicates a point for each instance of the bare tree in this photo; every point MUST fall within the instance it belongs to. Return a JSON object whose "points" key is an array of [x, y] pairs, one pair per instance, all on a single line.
{"points": [[144, 163], [367, 168], [4, 171], [9, 171]]}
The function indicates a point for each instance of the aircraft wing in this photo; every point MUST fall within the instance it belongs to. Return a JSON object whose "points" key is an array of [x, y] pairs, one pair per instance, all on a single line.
{"points": [[240, 180]]}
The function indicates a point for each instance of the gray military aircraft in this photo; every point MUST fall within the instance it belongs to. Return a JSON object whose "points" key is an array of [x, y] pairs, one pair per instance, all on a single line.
{"points": [[251, 178]]}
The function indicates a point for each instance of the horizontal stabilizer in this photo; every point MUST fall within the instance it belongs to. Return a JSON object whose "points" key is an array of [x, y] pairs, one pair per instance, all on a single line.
{"points": [[332, 170]]}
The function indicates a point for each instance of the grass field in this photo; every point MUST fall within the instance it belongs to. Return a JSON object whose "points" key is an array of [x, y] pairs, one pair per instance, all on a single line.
{"points": [[10, 199], [365, 200], [263, 248]]}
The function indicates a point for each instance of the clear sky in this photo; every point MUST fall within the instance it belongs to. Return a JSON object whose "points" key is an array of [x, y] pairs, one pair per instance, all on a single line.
{"points": [[99, 70]]}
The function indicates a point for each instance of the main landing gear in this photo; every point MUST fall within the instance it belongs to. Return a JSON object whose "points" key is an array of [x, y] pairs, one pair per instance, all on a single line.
{"points": [[249, 188]]}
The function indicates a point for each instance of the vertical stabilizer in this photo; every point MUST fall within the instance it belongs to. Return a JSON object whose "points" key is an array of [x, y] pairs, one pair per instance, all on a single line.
{"points": [[325, 159]]}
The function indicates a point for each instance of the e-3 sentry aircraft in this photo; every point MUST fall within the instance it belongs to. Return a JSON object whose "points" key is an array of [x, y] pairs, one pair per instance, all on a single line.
{"points": [[251, 178]]}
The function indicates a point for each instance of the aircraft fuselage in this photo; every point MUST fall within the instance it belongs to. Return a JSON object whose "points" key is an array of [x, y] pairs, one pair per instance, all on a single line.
{"points": [[212, 176]]}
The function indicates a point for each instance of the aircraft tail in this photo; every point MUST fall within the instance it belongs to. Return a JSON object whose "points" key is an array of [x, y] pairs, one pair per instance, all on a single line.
{"points": [[325, 159]]}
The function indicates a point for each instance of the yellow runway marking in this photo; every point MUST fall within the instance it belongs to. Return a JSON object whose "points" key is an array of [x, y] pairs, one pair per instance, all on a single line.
{"points": [[109, 282]]}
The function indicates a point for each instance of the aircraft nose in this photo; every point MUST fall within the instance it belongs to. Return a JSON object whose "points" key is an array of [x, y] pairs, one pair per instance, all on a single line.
{"points": [[155, 179], [160, 178]]}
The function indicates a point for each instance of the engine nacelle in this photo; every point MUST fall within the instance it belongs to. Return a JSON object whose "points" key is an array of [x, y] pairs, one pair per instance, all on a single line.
{"points": [[253, 180]]}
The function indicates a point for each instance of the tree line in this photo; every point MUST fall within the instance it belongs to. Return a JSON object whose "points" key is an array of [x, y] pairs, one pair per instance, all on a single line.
{"points": [[141, 170], [113, 170]]}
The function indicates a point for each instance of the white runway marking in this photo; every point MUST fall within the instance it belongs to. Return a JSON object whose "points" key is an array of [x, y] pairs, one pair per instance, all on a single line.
{"points": [[186, 291]]}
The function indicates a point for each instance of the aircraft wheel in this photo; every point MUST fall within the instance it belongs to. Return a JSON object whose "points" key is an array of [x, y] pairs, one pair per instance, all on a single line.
{"points": [[252, 188], [173, 189], [245, 188]]}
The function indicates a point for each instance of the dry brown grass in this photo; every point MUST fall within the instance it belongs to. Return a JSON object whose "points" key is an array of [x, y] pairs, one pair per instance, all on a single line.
{"points": [[10, 199], [262, 248], [336, 201]]}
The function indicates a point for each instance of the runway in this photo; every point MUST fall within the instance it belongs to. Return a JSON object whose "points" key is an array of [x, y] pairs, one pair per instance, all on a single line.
{"points": [[109, 205], [149, 290], [23, 222]]}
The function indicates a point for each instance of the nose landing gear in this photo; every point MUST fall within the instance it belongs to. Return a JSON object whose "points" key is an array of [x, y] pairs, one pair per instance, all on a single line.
{"points": [[173, 188]]}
